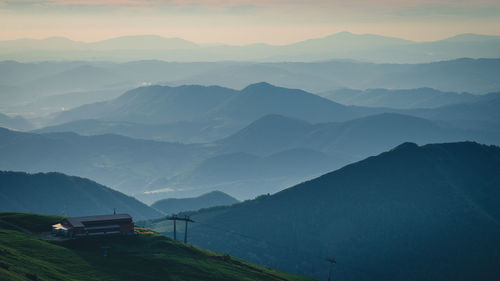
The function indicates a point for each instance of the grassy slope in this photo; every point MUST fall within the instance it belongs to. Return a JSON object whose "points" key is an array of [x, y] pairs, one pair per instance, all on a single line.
{"points": [[148, 256]]}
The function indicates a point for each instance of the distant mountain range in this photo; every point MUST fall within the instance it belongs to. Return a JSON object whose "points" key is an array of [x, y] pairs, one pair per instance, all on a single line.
{"points": [[402, 99], [122, 163], [38, 89], [479, 114], [207, 200], [269, 154], [204, 114], [343, 45], [411, 213], [357, 138], [198, 111], [59, 194], [245, 142]]}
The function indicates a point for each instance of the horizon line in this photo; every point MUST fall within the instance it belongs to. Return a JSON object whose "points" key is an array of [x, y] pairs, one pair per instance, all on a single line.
{"points": [[248, 44]]}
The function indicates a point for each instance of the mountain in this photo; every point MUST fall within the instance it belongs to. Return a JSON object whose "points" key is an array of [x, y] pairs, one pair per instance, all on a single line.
{"points": [[16, 122], [482, 113], [25, 85], [411, 213], [138, 42], [357, 138], [348, 41], [267, 135], [186, 132], [247, 176], [215, 111], [402, 99], [124, 164], [470, 37], [269, 154], [343, 45], [146, 256], [260, 99], [142, 42], [59, 194], [475, 76], [154, 104], [207, 200]]}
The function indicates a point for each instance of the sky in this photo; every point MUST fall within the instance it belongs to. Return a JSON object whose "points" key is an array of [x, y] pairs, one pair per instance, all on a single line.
{"points": [[241, 22]]}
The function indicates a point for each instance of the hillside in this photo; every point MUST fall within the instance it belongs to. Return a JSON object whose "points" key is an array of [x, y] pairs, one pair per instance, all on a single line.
{"points": [[412, 213], [58, 194], [147, 256], [207, 200]]}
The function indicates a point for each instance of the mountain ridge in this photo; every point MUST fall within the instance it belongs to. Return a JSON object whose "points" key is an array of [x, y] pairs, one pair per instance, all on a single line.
{"points": [[365, 47], [404, 214], [58, 194]]}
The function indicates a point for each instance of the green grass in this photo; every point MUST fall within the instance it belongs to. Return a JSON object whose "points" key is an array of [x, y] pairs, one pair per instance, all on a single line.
{"points": [[149, 256]]}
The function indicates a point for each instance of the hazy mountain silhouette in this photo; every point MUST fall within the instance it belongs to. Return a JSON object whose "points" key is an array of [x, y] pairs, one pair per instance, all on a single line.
{"points": [[267, 135], [216, 111], [186, 132], [260, 99], [482, 113], [125, 164], [343, 45], [154, 105], [246, 175], [461, 75], [23, 84], [207, 200], [269, 154], [142, 42], [402, 98], [411, 213], [15, 122], [356, 138], [59, 194]]}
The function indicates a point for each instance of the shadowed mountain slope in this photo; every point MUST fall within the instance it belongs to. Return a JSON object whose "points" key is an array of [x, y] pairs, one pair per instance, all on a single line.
{"points": [[147, 256], [58, 194], [412, 213]]}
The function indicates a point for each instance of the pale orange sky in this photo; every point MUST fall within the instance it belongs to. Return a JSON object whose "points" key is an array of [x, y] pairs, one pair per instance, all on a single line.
{"points": [[244, 21]]}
